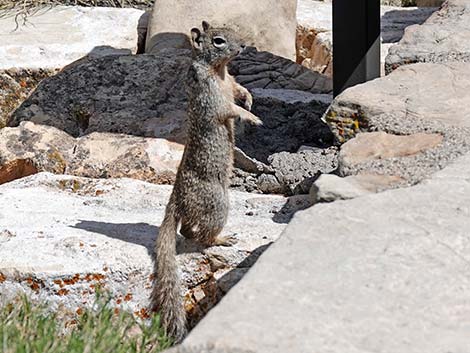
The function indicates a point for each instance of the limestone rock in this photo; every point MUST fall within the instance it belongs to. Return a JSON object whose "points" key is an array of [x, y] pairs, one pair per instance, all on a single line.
{"points": [[397, 258], [52, 38], [76, 233], [380, 145], [105, 155], [404, 100], [442, 38], [419, 98], [268, 25], [31, 148], [330, 187]]}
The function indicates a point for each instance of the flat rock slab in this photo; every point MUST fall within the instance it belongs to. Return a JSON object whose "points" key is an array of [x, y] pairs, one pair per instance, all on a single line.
{"points": [[442, 38], [414, 99], [380, 145], [62, 236], [383, 273], [330, 187], [54, 37]]}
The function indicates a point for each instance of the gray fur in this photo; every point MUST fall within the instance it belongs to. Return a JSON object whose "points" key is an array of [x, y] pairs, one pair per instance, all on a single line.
{"points": [[199, 201]]}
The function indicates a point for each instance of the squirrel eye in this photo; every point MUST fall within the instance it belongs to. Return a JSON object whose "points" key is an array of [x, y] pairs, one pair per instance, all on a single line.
{"points": [[219, 41]]}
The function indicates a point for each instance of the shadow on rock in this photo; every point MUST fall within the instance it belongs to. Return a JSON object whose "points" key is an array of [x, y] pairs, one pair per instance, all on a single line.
{"points": [[142, 234], [394, 22], [218, 287], [291, 207]]}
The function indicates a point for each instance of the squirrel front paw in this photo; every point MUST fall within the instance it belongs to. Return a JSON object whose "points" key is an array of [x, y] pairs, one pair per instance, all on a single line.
{"points": [[256, 121], [247, 101]]}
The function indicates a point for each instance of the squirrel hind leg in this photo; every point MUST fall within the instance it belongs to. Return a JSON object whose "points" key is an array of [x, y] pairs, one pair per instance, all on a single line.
{"points": [[210, 236]]}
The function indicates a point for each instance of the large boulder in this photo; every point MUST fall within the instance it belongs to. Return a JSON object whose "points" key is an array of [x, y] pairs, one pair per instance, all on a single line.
{"points": [[78, 234], [404, 103], [137, 95], [268, 25], [442, 38]]}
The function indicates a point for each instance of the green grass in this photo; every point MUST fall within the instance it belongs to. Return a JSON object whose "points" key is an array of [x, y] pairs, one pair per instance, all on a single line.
{"points": [[29, 328], [26, 5]]}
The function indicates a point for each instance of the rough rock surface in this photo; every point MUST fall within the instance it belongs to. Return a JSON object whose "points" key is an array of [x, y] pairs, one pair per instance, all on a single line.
{"points": [[296, 172], [257, 69], [61, 236], [380, 145], [52, 38], [142, 96], [268, 25], [442, 38], [398, 258], [15, 87], [138, 95], [330, 187], [32, 148], [315, 37], [290, 119], [405, 103]]}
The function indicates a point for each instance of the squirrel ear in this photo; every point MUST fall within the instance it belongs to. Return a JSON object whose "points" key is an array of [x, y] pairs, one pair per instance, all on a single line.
{"points": [[205, 26], [195, 38]]}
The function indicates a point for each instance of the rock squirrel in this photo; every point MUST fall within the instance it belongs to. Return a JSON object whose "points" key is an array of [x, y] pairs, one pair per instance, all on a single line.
{"points": [[199, 201]]}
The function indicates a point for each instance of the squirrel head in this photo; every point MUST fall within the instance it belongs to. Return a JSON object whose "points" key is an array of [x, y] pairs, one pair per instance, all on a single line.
{"points": [[217, 46]]}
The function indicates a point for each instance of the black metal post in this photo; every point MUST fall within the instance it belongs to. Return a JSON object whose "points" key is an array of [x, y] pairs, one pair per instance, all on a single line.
{"points": [[356, 42]]}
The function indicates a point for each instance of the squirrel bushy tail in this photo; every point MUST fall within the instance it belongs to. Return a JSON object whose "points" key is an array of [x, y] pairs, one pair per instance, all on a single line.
{"points": [[166, 296]]}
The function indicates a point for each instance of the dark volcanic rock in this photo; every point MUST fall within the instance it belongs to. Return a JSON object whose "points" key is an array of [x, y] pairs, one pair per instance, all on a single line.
{"points": [[290, 119], [139, 95], [255, 69], [297, 171]]}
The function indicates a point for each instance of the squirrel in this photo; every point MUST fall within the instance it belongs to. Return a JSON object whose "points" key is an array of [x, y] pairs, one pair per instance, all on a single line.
{"points": [[199, 200]]}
